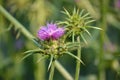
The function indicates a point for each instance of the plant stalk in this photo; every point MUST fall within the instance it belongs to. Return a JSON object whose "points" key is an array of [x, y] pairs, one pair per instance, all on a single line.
{"points": [[103, 24], [77, 73], [62, 70], [16, 23], [52, 71]]}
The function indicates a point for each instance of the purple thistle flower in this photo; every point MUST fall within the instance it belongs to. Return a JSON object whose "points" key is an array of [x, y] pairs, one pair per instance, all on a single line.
{"points": [[51, 31]]}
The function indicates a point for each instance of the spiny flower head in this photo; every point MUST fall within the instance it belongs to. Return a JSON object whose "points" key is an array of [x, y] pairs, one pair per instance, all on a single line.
{"points": [[50, 31], [77, 23]]}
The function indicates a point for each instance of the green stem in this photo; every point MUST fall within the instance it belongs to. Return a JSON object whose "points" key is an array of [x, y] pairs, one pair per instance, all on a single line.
{"points": [[60, 68], [16, 23], [78, 62], [103, 24], [52, 71]]}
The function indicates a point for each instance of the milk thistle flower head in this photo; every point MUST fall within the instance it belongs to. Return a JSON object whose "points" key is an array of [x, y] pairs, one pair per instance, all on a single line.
{"points": [[50, 31]]}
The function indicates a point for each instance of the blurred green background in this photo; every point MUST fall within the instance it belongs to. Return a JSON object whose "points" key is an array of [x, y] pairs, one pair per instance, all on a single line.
{"points": [[101, 56]]}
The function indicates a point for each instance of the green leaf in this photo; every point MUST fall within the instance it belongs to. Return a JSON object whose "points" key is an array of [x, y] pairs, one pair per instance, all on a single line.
{"points": [[74, 57]]}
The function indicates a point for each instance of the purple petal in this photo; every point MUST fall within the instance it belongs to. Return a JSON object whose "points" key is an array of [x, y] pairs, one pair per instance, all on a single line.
{"points": [[43, 33], [58, 33], [50, 31], [52, 26]]}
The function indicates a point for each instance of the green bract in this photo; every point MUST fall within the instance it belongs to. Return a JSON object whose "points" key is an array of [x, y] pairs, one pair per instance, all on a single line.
{"points": [[52, 49]]}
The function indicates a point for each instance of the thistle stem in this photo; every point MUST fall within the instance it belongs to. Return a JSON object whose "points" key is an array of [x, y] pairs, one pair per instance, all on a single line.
{"points": [[63, 71], [52, 71], [78, 62], [103, 24], [16, 23], [60, 68]]}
